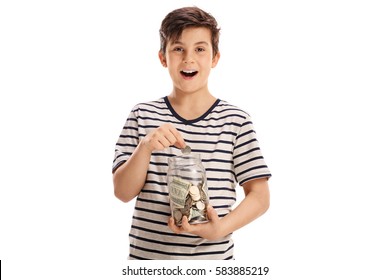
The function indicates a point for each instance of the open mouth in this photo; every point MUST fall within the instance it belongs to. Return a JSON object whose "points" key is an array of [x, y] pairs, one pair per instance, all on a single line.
{"points": [[188, 73]]}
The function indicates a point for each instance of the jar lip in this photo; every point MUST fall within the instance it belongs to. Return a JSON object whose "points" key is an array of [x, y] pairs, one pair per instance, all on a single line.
{"points": [[184, 159]]}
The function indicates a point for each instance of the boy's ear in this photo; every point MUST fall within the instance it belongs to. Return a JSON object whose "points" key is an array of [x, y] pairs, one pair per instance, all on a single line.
{"points": [[163, 61], [215, 60]]}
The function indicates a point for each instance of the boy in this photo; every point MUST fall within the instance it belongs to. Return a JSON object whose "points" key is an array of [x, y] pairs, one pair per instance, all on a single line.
{"points": [[189, 115]]}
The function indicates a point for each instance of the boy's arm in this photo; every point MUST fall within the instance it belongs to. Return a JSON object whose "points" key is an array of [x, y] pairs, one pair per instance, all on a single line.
{"points": [[255, 203], [130, 177]]}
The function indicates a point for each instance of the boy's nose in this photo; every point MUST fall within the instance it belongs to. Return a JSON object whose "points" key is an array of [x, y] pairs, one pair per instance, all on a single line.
{"points": [[188, 59]]}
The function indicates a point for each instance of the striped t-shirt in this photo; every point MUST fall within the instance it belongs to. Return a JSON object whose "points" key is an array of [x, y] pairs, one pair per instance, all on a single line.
{"points": [[226, 141]]}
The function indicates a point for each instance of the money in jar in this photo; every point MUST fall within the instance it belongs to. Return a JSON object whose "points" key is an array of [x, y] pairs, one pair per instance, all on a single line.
{"points": [[187, 184]]}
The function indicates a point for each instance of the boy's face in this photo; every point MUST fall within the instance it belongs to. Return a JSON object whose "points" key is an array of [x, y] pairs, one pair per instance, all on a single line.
{"points": [[190, 59]]}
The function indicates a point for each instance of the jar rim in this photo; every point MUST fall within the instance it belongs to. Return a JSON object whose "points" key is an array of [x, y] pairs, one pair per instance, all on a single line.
{"points": [[184, 159]]}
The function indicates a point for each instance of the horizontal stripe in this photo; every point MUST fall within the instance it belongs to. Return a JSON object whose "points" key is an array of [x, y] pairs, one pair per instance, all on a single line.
{"points": [[119, 158], [197, 126], [116, 166], [128, 136], [222, 197], [176, 243], [200, 151], [157, 173], [152, 201], [126, 145], [164, 233], [182, 254], [200, 133], [247, 161], [132, 119], [219, 170], [132, 256], [130, 128], [245, 143], [224, 206], [152, 211], [209, 142], [154, 191], [246, 153], [150, 221], [153, 182], [245, 134], [217, 160], [220, 180], [251, 169], [255, 177], [135, 257], [164, 119], [221, 189]]}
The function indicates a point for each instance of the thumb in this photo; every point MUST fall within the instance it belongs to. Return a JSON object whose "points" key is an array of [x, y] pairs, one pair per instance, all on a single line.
{"points": [[180, 144], [211, 213]]}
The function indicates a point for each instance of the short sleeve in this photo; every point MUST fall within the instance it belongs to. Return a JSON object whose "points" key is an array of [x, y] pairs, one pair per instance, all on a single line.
{"points": [[248, 160], [128, 140]]}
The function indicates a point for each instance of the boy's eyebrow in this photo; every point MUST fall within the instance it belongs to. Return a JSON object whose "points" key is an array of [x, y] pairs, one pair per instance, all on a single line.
{"points": [[197, 43], [202, 43]]}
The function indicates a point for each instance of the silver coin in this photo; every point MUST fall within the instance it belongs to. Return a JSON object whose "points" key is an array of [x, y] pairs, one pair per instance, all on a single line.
{"points": [[200, 205], [186, 150], [186, 209], [194, 190], [194, 193], [177, 215]]}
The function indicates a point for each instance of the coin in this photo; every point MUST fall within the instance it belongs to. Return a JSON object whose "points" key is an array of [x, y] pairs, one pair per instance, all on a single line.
{"points": [[188, 201], [193, 190], [187, 206], [186, 150], [177, 216], [200, 205]]}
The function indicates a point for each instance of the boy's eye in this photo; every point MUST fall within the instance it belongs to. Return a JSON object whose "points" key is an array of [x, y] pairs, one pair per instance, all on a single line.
{"points": [[178, 49], [200, 49]]}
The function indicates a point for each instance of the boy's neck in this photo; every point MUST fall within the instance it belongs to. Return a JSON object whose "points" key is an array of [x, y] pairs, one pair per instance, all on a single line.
{"points": [[191, 105]]}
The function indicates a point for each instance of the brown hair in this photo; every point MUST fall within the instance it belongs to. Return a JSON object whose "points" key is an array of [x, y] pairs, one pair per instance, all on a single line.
{"points": [[176, 21]]}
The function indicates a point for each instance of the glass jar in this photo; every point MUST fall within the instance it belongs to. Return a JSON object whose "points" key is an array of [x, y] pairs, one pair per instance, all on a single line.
{"points": [[187, 184]]}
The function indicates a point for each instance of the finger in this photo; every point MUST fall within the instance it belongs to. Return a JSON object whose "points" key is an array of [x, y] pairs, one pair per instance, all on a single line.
{"points": [[171, 222], [172, 226], [161, 134], [172, 135], [157, 140], [181, 144], [156, 145], [185, 225], [179, 141], [163, 140], [170, 138]]}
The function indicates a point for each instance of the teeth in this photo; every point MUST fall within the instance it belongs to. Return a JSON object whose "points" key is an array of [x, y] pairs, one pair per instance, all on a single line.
{"points": [[188, 71]]}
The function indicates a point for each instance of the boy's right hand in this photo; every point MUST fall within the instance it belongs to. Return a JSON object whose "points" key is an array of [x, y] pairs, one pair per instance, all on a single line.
{"points": [[162, 137]]}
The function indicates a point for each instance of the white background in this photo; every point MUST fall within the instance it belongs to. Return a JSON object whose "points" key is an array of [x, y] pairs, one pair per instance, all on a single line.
{"points": [[70, 72]]}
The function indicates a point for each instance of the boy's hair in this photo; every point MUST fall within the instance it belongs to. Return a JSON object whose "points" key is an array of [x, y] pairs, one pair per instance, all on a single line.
{"points": [[176, 21]]}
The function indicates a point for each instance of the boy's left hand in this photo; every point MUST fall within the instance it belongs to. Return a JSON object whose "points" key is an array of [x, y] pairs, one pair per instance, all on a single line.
{"points": [[207, 230]]}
